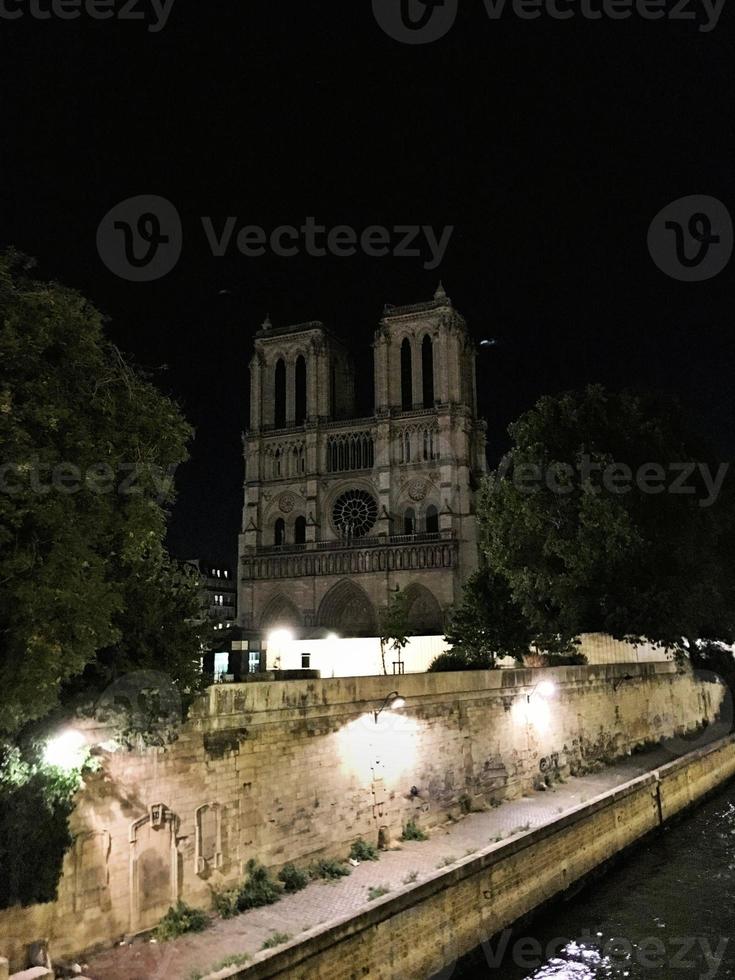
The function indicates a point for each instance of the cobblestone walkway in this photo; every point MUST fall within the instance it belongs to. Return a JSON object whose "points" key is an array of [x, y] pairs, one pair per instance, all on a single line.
{"points": [[191, 956]]}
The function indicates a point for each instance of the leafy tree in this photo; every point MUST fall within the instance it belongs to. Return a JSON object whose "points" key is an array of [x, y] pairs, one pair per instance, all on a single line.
{"points": [[87, 451], [452, 660], [395, 631], [584, 547], [487, 623], [35, 804], [160, 626]]}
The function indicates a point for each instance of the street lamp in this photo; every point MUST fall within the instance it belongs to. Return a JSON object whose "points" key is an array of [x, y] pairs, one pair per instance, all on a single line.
{"points": [[392, 701], [621, 680], [65, 751]]}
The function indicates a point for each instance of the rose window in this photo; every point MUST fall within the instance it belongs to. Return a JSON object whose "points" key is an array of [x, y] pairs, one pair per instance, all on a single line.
{"points": [[355, 513]]}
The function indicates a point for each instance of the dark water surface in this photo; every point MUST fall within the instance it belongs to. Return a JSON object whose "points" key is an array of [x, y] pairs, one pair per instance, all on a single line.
{"points": [[668, 912]]}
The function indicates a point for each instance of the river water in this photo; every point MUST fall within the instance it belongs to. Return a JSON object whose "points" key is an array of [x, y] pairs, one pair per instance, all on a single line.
{"points": [[667, 912]]}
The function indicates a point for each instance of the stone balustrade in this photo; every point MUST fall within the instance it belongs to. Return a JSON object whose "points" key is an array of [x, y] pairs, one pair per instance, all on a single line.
{"points": [[402, 552]]}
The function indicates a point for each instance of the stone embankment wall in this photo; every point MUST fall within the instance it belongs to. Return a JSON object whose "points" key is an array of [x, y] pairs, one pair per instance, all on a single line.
{"points": [[422, 930], [287, 771]]}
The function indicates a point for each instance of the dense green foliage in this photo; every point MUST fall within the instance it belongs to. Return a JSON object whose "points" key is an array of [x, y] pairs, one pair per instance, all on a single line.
{"points": [[95, 618], [258, 889], [413, 832], [451, 661], [35, 804], [361, 850], [180, 919], [293, 878], [486, 624], [328, 869], [88, 447], [631, 558]]}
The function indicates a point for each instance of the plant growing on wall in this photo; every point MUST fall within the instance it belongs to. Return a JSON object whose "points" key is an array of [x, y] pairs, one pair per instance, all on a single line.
{"points": [[395, 631]]}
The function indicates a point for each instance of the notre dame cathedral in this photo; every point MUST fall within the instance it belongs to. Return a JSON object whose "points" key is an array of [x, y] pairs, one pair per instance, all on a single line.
{"points": [[340, 511]]}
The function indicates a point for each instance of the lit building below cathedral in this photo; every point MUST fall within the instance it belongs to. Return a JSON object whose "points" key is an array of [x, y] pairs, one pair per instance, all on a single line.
{"points": [[340, 511]]}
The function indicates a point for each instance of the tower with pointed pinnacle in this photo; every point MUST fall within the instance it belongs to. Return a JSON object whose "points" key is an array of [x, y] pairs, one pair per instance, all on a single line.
{"points": [[340, 511]]}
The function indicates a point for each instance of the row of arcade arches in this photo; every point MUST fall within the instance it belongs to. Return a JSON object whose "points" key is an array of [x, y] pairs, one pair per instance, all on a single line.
{"points": [[347, 609]]}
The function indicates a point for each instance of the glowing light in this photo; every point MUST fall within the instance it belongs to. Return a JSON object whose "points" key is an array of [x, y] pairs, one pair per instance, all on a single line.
{"points": [[388, 747], [538, 715], [392, 700], [546, 689], [66, 751], [332, 637], [279, 637], [535, 712]]}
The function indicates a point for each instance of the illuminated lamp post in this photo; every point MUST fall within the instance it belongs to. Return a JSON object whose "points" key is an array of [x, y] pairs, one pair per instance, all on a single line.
{"points": [[392, 701]]}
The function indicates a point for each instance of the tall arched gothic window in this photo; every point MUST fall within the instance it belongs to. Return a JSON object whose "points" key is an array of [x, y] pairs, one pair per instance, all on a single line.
{"points": [[300, 392], [299, 530], [279, 532], [432, 519], [406, 376], [409, 521], [279, 394], [427, 370]]}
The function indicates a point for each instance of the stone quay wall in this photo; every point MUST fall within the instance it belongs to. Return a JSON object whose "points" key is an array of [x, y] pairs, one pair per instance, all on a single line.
{"points": [[292, 770], [421, 931]]}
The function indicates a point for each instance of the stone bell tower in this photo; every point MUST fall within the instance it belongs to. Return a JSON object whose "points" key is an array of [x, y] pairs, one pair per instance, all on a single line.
{"points": [[424, 357], [298, 374]]}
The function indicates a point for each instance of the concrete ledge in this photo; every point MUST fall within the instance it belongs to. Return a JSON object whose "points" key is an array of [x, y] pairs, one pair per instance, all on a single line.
{"points": [[348, 694]]}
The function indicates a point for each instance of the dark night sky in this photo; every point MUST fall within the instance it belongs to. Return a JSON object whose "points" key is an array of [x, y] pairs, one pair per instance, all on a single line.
{"points": [[548, 145]]}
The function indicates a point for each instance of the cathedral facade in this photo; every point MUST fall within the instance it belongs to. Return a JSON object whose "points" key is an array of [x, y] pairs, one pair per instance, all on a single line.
{"points": [[339, 511]]}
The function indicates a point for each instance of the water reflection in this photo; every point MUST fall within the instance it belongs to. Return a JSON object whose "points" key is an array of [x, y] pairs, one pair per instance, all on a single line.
{"points": [[666, 913], [576, 962]]}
